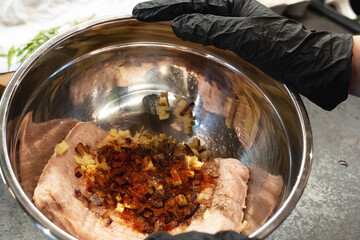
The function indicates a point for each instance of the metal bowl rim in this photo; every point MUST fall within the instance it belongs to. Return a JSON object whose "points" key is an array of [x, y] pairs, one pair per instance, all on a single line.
{"points": [[51, 229], [302, 178]]}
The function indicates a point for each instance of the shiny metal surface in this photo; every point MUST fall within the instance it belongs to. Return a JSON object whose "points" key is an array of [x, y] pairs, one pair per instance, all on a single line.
{"points": [[110, 71]]}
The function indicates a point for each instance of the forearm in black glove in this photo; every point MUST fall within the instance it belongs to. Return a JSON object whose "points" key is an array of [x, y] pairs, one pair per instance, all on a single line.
{"points": [[314, 64]]}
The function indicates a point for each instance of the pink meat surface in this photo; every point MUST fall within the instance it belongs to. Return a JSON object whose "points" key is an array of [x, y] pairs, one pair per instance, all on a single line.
{"points": [[55, 192], [37, 142], [228, 199], [262, 200], [221, 209]]}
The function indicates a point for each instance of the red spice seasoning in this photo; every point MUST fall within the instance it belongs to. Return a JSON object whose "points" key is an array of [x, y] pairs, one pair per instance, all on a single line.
{"points": [[154, 183]]}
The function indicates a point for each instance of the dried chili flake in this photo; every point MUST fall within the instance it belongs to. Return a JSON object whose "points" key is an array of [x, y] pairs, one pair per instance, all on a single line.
{"points": [[187, 108], [108, 222], [78, 174], [78, 193]]}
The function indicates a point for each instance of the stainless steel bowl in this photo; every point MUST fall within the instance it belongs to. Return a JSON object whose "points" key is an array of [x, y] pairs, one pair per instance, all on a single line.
{"points": [[108, 71]]}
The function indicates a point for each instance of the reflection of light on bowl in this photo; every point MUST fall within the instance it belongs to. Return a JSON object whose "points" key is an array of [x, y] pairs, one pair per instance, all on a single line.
{"points": [[111, 71], [113, 107], [163, 69]]}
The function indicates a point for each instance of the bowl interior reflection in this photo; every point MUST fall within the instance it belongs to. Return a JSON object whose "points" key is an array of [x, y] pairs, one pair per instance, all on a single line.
{"points": [[118, 87]]}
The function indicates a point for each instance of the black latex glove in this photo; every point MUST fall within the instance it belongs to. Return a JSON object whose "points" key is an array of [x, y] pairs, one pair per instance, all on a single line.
{"points": [[223, 235], [314, 64]]}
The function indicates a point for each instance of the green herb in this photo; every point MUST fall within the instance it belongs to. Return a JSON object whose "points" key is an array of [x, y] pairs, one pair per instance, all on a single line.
{"points": [[10, 55], [25, 50]]}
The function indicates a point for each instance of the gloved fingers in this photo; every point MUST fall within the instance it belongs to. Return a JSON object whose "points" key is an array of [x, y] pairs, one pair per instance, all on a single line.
{"points": [[250, 38], [205, 29], [222, 235], [228, 33], [161, 236], [161, 10], [182, 236]]}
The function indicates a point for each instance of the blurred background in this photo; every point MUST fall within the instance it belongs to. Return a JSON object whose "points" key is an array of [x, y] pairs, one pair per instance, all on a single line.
{"points": [[25, 24]]}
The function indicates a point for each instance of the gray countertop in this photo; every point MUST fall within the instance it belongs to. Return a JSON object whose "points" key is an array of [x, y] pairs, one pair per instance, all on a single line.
{"points": [[330, 205]]}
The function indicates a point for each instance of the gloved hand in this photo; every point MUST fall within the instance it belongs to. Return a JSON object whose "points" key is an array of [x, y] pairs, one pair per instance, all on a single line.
{"points": [[314, 64], [223, 235]]}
